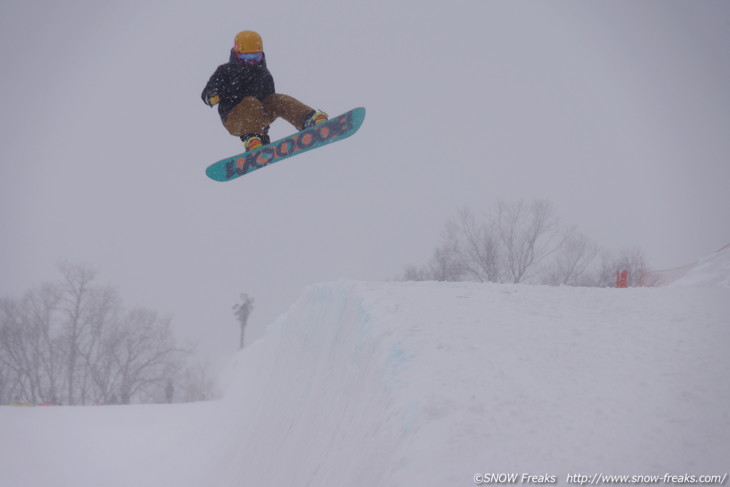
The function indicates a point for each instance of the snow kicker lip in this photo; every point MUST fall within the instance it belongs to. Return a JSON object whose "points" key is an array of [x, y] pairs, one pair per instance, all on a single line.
{"points": [[333, 130]]}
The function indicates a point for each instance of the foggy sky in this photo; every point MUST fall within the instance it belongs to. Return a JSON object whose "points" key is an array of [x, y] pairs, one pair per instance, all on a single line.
{"points": [[618, 112]]}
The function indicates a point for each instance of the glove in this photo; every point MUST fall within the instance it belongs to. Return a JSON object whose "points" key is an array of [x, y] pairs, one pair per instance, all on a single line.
{"points": [[212, 100]]}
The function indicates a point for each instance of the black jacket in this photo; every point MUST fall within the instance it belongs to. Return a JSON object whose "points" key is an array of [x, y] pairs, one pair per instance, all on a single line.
{"points": [[235, 80]]}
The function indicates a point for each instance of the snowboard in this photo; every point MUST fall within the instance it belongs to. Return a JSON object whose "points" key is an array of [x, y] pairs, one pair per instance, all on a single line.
{"points": [[332, 130]]}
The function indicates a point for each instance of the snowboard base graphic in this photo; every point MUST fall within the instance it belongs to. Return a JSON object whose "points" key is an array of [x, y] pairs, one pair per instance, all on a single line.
{"points": [[332, 130]]}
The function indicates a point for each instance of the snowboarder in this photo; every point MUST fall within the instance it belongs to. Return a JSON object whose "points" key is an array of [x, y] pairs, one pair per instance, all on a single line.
{"points": [[247, 102]]}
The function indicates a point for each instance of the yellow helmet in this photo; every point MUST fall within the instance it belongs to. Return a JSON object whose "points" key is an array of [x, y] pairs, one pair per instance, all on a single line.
{"points": [[247, 42]]}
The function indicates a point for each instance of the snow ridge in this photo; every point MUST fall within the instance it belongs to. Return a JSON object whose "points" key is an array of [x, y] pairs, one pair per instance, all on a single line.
{"points": [[713, 270]]}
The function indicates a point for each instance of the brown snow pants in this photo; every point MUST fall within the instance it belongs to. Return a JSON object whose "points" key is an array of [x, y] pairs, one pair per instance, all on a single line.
{"points": [[253, 116]]}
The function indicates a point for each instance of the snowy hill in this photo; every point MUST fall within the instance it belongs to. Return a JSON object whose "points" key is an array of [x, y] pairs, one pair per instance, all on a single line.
{"points": [[372, 384], [712, 270]]}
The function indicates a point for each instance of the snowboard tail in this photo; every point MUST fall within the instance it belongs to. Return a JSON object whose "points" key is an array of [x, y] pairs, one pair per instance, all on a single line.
{"points": [[334, 129]]}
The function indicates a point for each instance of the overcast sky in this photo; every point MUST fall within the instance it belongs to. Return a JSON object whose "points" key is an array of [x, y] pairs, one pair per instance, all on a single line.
{"points": [[618, 112]]}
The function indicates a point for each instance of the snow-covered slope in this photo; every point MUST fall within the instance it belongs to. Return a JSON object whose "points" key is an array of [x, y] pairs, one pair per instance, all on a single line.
{"points": [[366, 384], [713, 270]]}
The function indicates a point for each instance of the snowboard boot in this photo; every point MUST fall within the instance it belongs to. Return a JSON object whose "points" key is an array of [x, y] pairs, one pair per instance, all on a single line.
{"points": [[254, 141], [315, 119]]}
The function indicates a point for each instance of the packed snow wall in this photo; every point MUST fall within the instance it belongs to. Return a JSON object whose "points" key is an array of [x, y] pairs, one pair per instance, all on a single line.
{"points": [[313, 401], [429, 384]]}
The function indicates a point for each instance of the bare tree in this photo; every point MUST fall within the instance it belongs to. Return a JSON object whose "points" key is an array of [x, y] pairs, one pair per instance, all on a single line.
{"points": [[29, 351], [145, 353], [632, 260], [444, 265], [242, 311], [197, 384], [76, 306], [508, 246], [72, 343], [521, 242], [4, 385], [528, 233], [475, 246], [14, 356], [573, 263]]}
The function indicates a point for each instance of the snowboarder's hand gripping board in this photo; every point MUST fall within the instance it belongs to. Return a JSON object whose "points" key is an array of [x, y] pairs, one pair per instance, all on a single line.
{"points": [[335, 129]]}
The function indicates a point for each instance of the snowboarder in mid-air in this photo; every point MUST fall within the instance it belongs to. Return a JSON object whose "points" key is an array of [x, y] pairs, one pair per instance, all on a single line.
{"points": [[243, 89]]}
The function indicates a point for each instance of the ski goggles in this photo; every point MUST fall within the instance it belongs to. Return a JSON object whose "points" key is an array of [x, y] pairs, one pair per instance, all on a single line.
{"points": [[251, 57]]}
